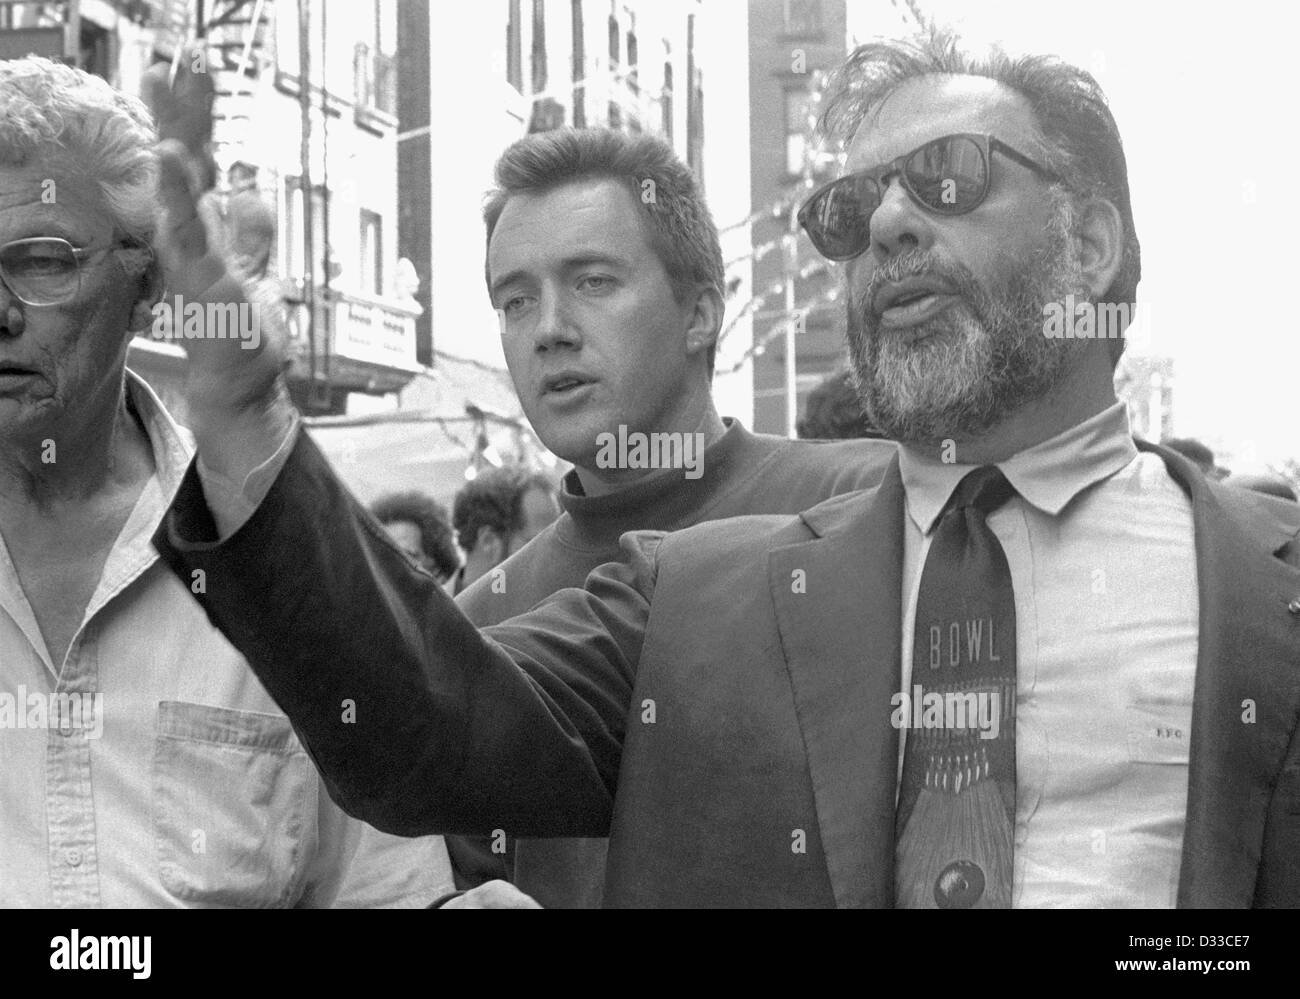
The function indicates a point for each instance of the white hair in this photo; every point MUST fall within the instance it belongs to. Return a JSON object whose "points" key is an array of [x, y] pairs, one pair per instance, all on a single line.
{"points": [[63, 115]]}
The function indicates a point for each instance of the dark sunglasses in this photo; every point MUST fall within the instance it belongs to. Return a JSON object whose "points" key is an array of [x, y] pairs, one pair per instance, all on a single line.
{"points": [[947, 176]]}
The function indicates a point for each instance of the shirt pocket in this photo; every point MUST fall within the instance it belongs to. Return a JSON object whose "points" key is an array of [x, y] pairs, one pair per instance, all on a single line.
{"points": [[1159, 733], [230, 798]]}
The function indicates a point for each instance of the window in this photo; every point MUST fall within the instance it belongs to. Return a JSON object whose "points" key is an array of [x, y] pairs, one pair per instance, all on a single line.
{"points": [[694, 104], [287, 40], [666, 100], [514, 49], [695, 150], [631, 62], [539, 46], [803, 17], [796, 128], [633, 85], [372, 253], [295, 232], [548, 114], [95, 53], [374, 66], [579, 68], [615, 110], [376, 80]]}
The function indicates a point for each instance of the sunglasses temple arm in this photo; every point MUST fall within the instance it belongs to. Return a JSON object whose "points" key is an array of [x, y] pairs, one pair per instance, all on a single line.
{"points": [[1022, 159]]}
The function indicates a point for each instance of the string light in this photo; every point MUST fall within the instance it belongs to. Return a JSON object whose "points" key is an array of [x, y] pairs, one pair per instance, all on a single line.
{"points": [[778, 329], [816, 158]]}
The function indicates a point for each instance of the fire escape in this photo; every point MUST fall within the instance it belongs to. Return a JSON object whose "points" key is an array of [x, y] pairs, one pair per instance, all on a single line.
{"points": [[348, 332], [340, 342]]}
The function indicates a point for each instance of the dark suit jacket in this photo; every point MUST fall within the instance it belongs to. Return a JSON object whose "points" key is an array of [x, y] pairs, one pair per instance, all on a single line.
{"points": [[730, 734]]}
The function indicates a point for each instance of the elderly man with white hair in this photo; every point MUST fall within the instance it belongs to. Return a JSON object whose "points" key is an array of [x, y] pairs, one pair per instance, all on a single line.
{"points": [[141, 762]]}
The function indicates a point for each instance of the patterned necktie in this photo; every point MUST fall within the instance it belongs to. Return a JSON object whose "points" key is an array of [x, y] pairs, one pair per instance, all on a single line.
{"points": [[957, 802]]}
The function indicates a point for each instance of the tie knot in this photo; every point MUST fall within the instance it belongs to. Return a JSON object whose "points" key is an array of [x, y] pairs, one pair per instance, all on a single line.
{"points": [[986, 489]]}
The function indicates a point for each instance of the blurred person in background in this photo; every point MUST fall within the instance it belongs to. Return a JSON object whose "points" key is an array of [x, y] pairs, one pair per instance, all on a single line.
{"points": [[250, 239], [241, 176], [834, 411], [421, 527], [498, 513]]}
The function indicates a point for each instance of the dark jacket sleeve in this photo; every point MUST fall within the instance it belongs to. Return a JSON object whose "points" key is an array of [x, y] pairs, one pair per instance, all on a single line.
{"points": [[418, 723]]}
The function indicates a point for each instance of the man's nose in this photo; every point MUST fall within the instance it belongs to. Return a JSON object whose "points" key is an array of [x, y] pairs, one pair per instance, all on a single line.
{"points": [[899, 223], [555, 328]]}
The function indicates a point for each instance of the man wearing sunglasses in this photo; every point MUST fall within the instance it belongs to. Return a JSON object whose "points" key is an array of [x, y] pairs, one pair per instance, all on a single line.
{"points": [[143, 764], [1038, 666]]}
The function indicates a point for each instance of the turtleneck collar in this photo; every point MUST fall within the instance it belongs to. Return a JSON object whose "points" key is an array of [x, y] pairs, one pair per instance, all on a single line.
{"points": [[664, 500]]}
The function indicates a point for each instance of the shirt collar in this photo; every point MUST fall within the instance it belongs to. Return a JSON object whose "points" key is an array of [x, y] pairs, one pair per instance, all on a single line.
{"points": [[1047, 476], [171, 444], [662, 500], [132, 552]]}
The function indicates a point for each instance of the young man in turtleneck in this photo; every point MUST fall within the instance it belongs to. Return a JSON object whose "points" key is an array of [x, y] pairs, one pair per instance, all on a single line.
{"points": [[606, 271]]}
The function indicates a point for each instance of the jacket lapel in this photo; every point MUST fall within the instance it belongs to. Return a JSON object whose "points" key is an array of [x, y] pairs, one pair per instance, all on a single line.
{"points": [[841, 643], [1245, 700]]}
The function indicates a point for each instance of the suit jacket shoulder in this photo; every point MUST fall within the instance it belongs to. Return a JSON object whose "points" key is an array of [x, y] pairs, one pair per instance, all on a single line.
{"points": [[855, 463], [1273, 521]]}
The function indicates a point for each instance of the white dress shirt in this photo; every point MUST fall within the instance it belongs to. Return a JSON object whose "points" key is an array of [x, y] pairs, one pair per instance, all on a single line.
{"points": [[1100, 545]]}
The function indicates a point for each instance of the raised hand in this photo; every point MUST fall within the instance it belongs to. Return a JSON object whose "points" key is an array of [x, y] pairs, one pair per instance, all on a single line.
{"points": [[190, 243]]}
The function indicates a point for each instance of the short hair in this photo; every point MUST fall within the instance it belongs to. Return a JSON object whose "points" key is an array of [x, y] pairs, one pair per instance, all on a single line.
{"points": [[495, 499], [681, 230], [1080, 136], [430, 517], [49, 111], [243, 172], [833, 410]]}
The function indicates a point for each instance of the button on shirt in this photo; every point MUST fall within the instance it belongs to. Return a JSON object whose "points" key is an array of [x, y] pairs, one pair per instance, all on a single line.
{"points": [[151, 768], [1100, 545]]}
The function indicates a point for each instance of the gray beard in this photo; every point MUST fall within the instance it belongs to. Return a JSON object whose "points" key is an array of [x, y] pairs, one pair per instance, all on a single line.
{"points": [[986, 356]]}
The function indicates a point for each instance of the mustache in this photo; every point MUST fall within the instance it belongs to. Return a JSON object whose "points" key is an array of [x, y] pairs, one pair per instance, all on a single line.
{"points": [[911, 264]]}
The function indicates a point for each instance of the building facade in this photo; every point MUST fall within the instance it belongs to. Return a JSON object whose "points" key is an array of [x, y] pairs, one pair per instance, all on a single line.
{"points": [[352, 318], [325, 154], [793, 45]]}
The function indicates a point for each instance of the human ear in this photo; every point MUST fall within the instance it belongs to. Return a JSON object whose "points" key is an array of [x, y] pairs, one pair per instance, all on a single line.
{"points": [[706, 320], [149, 292], [491, 544], [1100, 232]]}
